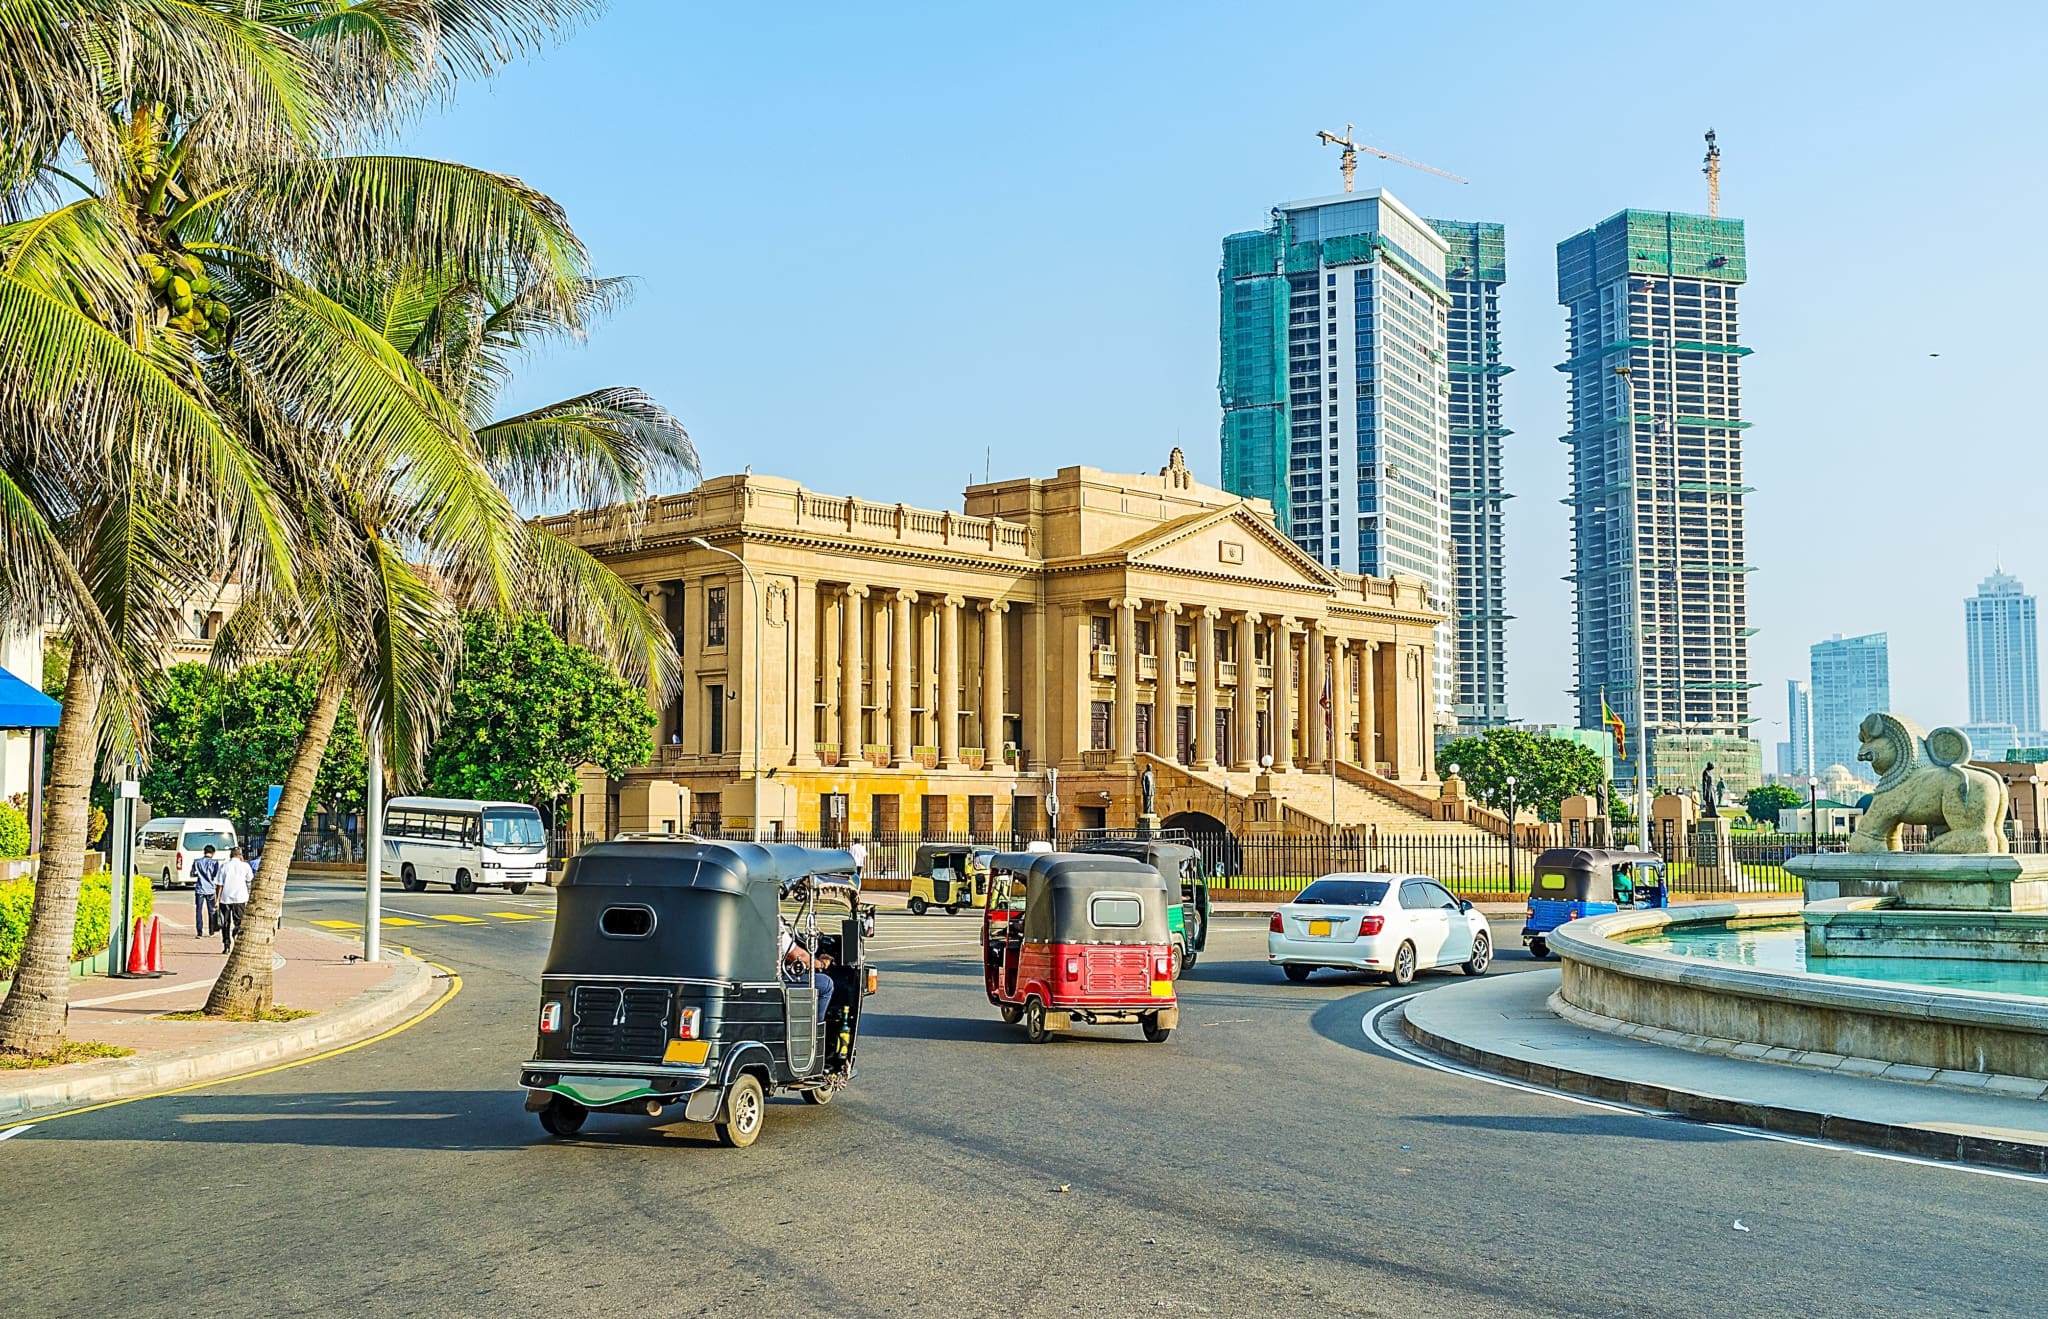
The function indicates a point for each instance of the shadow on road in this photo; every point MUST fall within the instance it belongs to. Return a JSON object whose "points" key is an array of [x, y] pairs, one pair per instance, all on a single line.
{"points": [[1590, 1124], [974, 1030]]}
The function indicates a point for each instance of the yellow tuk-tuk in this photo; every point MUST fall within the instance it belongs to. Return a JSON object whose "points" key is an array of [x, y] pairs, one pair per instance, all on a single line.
{"points": [[949, 875]]}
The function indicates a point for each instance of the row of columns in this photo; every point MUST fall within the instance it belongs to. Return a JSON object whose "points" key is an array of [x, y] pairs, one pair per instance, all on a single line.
{"points": [[898, 667]]}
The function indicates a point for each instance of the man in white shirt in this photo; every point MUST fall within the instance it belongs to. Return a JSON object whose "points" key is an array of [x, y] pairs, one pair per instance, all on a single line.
{"points": [[235, 877]]}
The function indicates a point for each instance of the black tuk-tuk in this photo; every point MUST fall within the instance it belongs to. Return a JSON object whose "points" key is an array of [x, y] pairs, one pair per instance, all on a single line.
{"points": [[675, 978], [1180, 865], [1569, 882]]}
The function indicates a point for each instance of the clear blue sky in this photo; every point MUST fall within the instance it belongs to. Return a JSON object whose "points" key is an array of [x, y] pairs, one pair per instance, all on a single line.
{"points": [[881, 246]]}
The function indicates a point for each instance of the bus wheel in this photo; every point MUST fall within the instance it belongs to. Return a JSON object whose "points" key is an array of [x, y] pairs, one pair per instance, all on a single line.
{"points": [[1034, 1021], [463, 883], [917, 906], [563, 1117], [515, 889], [409, 881], [746, 1108]]}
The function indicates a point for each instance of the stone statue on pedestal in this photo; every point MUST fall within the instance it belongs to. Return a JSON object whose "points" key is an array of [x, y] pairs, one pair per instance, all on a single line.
{"points": [[1927, 779], [1148, 788], [1709, 807]]}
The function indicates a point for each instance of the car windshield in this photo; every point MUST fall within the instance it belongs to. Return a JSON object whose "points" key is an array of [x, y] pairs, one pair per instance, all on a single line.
{"points": [[514, 831], [1344, 892], [198, 840]]}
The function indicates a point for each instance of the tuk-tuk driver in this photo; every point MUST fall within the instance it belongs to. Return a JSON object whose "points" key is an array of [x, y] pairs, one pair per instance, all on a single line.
{"points": [[800, 964], [1624, 885]]}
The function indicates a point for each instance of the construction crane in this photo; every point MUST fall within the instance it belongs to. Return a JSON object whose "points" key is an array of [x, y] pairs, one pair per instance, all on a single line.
{"points": [[1348, 162], [1713, 173]]}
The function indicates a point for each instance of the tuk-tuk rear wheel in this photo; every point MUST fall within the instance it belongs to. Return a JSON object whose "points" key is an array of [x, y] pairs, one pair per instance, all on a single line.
{"points": [[563, 1117], [1154, 1032], [1539, 948], [952, 909], [917, 906], [1034, 1022], [746, 1109]]}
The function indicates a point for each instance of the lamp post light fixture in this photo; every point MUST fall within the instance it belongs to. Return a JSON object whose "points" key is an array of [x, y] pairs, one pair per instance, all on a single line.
{"points": [[759, 642], [1813, 810]]}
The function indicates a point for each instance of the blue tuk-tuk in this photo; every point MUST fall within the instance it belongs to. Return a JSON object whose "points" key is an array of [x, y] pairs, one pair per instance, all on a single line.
{"points": [[1570, 882]]}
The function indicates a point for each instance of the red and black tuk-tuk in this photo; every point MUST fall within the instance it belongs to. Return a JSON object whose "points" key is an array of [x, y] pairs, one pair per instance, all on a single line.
{"points": [[1070, 937]]}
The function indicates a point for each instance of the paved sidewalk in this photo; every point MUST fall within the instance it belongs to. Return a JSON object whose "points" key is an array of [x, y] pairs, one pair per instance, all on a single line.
{"points": [[1503, 1024], [350, 1001]]}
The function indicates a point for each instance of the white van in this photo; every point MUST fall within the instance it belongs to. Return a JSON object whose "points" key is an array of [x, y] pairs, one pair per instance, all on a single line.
{"points": [[166, 847], [464, 843]]}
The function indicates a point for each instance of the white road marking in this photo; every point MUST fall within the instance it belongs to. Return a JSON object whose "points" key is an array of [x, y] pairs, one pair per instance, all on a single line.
{"points": [[1369, 1024], [12, 1132], [140, 993]]}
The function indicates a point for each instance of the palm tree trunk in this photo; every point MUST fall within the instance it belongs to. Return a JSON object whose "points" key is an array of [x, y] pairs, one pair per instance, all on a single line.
{"points": [[246, 984], [32, 1019]]}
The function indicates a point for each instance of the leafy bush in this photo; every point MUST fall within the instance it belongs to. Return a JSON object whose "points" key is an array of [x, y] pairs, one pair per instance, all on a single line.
{"points": [[88, 936], [13, 831]]}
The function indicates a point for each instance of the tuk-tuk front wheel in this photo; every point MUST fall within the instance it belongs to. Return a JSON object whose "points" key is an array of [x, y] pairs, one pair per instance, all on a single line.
{"points": [[1539, 948], [917, 906], [1011, 1014], [952, 909], [1034, 1022], [563, 1117], [1154, 1032], [746, 1109]]}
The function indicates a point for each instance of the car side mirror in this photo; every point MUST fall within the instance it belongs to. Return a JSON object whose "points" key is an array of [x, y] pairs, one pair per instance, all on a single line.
{"points": [[1464, 905]]}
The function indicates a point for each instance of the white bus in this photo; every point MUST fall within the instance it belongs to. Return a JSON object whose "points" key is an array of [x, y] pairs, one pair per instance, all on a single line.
{"points": [[464, 844]]}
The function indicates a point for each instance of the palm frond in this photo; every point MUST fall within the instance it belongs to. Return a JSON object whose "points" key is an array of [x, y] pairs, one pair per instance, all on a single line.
{"points": [[608, 446], [416, 643], [585, 600]]}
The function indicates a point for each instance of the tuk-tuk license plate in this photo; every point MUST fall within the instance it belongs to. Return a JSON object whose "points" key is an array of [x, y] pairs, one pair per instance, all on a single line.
{"points": [[1319, 929], [1162, 989]]}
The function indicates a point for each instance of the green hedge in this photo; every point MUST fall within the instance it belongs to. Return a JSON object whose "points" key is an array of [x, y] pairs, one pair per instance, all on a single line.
{"points": [[13, 831], [88, 936]]}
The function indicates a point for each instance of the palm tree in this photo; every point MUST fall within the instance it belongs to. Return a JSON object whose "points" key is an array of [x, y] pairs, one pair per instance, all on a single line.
{"points": [[132, 462]]}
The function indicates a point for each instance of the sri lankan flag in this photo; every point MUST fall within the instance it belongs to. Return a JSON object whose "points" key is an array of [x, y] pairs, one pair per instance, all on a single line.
{"points": [[1612, 721]]}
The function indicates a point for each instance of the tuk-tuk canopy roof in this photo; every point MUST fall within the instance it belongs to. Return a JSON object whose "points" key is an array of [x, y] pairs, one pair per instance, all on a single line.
{"points": [[694, 863], [1053, 871], [1588, 859], [1154, 850], [929, 852]]}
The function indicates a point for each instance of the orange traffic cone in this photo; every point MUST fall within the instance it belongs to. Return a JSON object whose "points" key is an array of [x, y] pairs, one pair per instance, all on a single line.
{"points": [[145, 947]]}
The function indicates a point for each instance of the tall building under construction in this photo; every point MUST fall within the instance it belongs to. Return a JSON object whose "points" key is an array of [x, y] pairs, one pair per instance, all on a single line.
{"points": [[1654, 357], [1474, 270]]}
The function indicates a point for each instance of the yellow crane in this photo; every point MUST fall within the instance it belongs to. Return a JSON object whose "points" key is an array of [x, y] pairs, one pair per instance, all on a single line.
{"points": [[1348, 162], [1713, 173]]}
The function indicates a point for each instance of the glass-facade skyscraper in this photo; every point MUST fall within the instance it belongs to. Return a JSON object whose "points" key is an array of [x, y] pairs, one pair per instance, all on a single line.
{"points": [[2005, 672], [1851, 677], [1336, 389]]}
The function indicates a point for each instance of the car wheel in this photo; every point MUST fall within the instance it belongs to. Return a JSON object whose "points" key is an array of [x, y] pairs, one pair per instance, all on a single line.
{"points": [[918, 906], [515, 889], [820, 1096], [746, 1108], [409, 880], [463, 883], [1011, 1014], [1539, 948], [167, 880], [1296, 973], [563, 1117], [1482, 956], [1154, 1032], [1034, 1022], [1404, 966]]}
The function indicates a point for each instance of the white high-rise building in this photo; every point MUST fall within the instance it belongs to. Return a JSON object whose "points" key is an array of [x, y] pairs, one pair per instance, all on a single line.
{"points": [[1335, 390], [2005, 672]]}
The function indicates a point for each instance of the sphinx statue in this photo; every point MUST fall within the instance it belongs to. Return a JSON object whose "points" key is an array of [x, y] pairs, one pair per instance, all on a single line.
{"points": [[1926, 779]]}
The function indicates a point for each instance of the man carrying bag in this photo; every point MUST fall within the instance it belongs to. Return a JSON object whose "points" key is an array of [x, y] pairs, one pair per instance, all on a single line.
{"points": [[205, 883], [235, 877]]}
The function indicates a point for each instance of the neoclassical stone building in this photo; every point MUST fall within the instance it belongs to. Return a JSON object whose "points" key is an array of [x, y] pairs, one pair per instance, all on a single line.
{"points": [[925, 670]]}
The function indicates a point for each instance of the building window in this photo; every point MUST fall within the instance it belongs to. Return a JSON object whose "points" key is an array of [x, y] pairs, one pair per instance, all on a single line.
{"points": [[1098, 632], [714, 727], [1144, 713], [714, 616], [1098, 725]]}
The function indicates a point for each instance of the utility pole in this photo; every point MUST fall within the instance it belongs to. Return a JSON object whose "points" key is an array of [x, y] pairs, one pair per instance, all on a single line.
{"points": [[373, 844]]}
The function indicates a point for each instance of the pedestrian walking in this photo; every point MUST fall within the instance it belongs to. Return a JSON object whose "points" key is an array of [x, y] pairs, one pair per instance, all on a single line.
{"points": [[235, 877], [205, 884]]}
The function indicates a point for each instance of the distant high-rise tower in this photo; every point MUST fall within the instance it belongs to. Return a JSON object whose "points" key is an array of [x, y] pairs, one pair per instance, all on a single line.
{"points": [[1852, 677], [1335, 389], [1656, 467], [2005, 673], [1795, 753], [1474, 271]]}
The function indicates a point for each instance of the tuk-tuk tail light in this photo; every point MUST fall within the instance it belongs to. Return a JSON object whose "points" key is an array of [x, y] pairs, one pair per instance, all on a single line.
{"points": [[1073, 968], [550, 1017], [874, 980], [1163, 968], [1368, 926], [689, 1022]]}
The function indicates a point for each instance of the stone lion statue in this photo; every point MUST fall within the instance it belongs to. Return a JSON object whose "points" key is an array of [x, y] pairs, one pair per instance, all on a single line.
{"points": [[1925, 779]]}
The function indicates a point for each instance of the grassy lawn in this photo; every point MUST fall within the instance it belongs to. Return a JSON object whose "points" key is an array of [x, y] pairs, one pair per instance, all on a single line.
{"points": [[71, 1051], [275, 1014]]}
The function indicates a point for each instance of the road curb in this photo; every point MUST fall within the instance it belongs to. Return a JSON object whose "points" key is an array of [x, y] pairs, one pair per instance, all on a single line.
{"points": [[402, 995], [1944, 1145]]}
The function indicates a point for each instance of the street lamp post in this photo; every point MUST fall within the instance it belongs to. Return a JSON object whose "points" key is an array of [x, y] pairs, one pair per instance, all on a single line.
{"points": [[1511, 832], [373, 844], [760, 641], [1813, 811]]}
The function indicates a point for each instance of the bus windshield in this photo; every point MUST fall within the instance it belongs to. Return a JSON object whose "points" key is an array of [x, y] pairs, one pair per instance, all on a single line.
{"points": [[514, 831]]}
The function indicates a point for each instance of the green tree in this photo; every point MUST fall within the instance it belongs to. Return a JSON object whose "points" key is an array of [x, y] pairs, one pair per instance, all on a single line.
{"points": [[527, 709], [217, 742], [1763, 803], [1546, 770]]}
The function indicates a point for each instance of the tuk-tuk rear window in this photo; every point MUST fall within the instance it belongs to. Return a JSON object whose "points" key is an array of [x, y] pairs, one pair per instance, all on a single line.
{"points": [[1550, 879], [1115, 911], [1344, 892]]}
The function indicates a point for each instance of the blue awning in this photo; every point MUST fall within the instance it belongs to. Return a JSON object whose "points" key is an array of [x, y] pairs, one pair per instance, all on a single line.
{"points": [[22, 706]]}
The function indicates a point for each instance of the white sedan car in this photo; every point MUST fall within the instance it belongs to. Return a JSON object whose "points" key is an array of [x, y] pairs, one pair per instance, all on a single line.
{"points": [[1392, 924]]}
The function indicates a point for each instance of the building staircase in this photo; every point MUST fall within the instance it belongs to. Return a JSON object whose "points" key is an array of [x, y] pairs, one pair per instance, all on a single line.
{"points": [[1365, 802]]}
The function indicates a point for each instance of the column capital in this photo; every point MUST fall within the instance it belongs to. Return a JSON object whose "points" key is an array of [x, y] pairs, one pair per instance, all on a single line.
{"points": [[652, 592], [1285, 623], [1251, 616], [854, 592], [904, 595], [952, 601], [1208, 611], [1372, 646], [1131, 602], [992, 606]]}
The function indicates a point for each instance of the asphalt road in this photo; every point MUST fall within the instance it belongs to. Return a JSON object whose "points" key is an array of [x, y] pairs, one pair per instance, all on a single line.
{"points": [[1266, 1160]]}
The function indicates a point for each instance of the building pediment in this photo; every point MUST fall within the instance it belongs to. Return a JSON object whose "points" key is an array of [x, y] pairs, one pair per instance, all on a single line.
{"points": [[1225, 542]]}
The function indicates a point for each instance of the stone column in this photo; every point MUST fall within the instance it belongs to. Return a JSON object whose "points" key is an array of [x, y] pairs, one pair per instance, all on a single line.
{"points": [[1205, 688], [1033, 677], [949, 682], [901, 677], [852, 605], [1318, 673], [1166, 688], [1247, 707], [1340, 697], [1126, 735], [1283, 694], [1368, 705], [656, 596], [806, 673], [992, 682]]}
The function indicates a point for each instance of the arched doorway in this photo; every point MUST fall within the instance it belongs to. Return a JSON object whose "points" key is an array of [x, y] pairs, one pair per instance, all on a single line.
{"points": [[1209, 836]]}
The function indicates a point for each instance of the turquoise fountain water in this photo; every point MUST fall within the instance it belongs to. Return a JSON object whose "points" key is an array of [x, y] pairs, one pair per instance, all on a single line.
{"points": [[1782, 947]]}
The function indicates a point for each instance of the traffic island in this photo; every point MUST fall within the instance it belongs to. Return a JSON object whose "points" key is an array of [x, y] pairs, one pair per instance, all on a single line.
{"points": [[348, 1001]]}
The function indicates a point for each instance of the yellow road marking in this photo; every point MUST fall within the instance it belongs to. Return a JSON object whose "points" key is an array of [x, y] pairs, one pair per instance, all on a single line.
{"points": [[459, 920], [513, 915], [339, 925], [400, 920], [454, 988]]}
